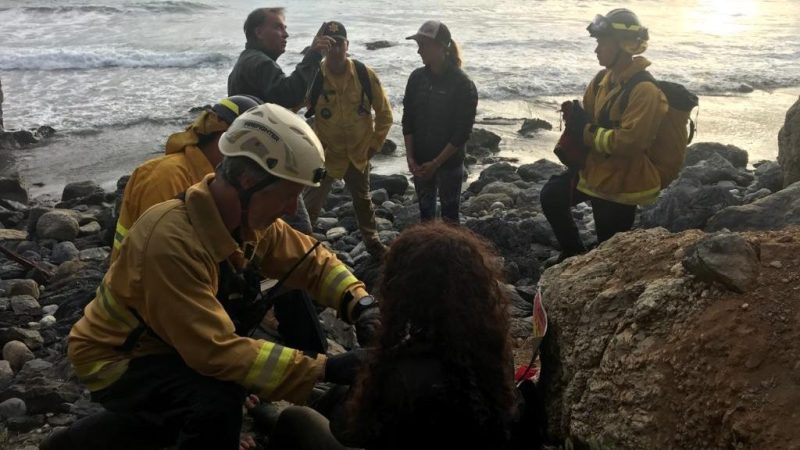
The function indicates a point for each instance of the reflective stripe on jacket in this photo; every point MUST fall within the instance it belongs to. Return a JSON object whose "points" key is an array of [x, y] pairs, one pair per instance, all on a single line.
{"points": [[618, 168], [156, 181], [344, 126], [167, 271]]}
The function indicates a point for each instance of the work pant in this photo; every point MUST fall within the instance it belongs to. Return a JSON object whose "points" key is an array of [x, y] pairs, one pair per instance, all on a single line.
{"points": [[160, 402], [357, 183], [446, 182], [560, 194]]}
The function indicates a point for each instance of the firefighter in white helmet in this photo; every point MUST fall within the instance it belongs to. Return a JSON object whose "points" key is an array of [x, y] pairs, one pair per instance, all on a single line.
{"points": [[162, 345]]}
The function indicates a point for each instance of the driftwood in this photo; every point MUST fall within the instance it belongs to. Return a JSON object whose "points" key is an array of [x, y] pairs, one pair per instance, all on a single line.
{"points": [[44, 273]]}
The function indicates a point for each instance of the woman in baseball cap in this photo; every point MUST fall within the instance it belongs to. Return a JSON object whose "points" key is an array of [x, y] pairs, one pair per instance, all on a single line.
{"points": [[439, 111]]}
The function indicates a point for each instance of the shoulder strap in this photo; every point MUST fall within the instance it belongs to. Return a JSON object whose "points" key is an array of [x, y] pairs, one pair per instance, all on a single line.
{"points": [[363, 78], [637, 78], [313, 92]]}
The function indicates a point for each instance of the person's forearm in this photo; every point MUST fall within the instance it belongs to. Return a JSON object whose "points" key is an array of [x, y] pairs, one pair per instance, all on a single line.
{"points": [[449, 150], [409, 141]]}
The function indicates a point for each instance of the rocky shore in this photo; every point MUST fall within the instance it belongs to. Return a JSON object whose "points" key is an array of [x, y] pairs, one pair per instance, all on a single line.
{"points": [[681, 333]]}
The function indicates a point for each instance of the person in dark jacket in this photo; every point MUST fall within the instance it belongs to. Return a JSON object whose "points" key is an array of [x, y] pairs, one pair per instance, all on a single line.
{"points": [[257, 72], [439, 110], [440, 374]]}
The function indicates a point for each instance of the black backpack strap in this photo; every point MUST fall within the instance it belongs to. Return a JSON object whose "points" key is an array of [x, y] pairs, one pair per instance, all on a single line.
{"points": [[313, 92], [363, 78], [627, 88]]}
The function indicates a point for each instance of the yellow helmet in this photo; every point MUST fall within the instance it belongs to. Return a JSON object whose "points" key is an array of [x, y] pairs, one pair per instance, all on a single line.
{"points": [[622, 25]]}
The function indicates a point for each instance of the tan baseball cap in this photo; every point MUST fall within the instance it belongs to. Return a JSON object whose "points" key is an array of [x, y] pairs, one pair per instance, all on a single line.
{"points": [[435, 30]]}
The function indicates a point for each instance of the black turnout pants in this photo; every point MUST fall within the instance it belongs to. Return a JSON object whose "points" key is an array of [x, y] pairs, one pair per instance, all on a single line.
{"points": [[560, 194], [161, 402]]}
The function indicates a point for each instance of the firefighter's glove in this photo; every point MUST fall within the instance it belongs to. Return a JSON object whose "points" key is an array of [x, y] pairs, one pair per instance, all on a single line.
{"points": [[367, 324], [576, 121], [342, 368]]}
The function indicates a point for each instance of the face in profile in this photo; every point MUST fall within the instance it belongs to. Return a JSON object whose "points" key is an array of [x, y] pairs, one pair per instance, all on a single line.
{"points": [[272, 34], [429, 50]]}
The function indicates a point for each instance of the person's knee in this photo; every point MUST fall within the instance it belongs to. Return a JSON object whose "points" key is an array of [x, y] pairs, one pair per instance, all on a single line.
{"points": [[551, 198]]}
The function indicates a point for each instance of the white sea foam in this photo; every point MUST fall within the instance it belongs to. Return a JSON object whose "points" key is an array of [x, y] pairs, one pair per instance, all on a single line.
{"points": [[93, 58]]}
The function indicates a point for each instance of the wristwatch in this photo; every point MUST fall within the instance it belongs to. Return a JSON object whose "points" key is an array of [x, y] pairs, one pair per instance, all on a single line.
{"points": [[363, 303]]}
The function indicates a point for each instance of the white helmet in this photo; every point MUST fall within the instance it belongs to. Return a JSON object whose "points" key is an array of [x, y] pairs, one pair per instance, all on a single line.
{"points": [[279, 141]]}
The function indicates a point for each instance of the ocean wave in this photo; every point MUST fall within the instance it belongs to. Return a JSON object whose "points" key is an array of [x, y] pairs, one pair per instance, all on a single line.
{"points": [[52, 59], [179, 7]]}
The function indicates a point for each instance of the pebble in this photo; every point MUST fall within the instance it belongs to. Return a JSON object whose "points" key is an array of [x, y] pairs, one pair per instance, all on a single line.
{"points": [[745, 306], [776, 264]]}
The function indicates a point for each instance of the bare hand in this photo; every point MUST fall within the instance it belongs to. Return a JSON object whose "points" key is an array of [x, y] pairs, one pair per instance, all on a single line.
{"points": [[246, 442], [322, 43], [427, 170], [251, 401], [412, 166]]}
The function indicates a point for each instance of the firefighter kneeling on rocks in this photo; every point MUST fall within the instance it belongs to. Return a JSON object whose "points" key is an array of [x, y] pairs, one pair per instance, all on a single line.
{"points": [[160, 346]]}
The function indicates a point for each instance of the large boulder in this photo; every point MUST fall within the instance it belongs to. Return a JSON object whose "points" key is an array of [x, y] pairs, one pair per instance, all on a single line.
{"points": [[57, 224], [725, 258], [704, 150], [482, 143], [81, 189], [773, 212], [789, 145], [531, 126], [769, 175], [501, 171], [639, 354], [714, 169], [686, 204], [394, 184], [540, 170]]}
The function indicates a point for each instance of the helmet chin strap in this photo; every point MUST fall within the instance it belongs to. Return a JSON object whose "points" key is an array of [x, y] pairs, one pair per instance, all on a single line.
{"points": [[616, 58], [244, 200]]}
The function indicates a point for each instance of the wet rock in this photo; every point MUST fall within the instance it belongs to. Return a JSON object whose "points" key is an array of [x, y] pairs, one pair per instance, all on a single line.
{"points": [[25, 305], [63, 251], [24, 138], [31, 338], [714, 169], [42, 394], [769, 175], [23, 287], [57, 225], [704, 150], [388, 147], [336, 233], [540, 170], [326, 223], [90, 228], [6, 373], [531, 126], [406, 216], [724, 258], [24, 424], [773, 212], [17, 354], [11, 189], [482, 143], [80, 189], [13, 407], [93, 254], [501, 171], [377, 45], [686, 204], [379, 196], [789, 145], [479, 204], [394, 184]]}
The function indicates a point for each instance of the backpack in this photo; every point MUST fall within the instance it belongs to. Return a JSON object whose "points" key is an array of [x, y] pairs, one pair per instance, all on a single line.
{"points": [[315, 89], [676, 130]]}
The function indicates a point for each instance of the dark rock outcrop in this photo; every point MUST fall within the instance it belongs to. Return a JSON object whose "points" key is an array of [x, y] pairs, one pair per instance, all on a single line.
{"points": [[789, 145], [703, 150], [482, 143], [769, 213]]}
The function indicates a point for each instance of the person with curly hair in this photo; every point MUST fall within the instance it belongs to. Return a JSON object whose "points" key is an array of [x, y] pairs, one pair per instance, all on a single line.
{"points": [[440, 374]]}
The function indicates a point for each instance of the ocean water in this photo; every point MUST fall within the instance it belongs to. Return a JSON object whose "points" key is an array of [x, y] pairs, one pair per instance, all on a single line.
{"points": [[116, 77]]}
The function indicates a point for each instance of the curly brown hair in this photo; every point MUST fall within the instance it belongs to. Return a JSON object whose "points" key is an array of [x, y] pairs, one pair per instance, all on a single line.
{"points": [[440, 291]]}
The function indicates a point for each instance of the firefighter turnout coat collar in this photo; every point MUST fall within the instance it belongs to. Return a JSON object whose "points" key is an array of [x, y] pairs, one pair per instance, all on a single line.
{"points": [[167, 272]]}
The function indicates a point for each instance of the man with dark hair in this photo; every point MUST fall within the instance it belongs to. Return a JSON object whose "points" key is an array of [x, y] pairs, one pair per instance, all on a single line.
{"points": [[257, 72]]}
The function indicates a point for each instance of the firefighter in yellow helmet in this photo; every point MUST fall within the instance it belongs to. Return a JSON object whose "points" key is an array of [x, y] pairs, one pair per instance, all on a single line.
{"points": [[617, 174], [190, 155], [161, 347]]}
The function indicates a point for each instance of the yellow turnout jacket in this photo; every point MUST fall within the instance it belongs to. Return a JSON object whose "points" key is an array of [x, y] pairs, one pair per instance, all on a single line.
{"points": [[167, 271], [346, 131], [617, 167]]}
